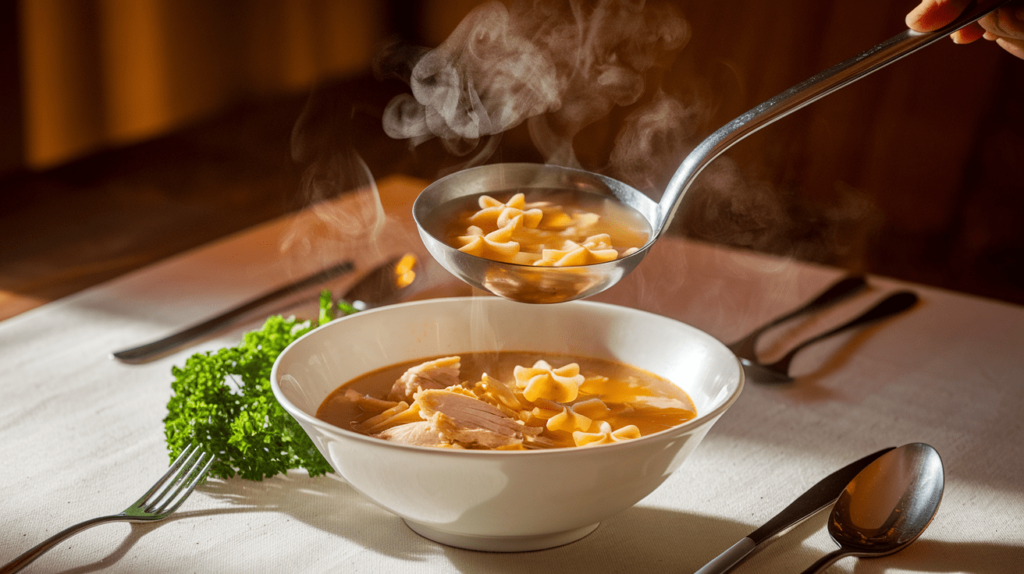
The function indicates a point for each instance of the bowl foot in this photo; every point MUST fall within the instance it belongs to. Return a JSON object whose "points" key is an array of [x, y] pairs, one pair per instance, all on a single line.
{"points": [[501, 543]]}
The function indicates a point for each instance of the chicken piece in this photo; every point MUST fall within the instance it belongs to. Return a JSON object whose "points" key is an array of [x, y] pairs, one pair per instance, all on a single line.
{"points": [[539, 441], [400, 414], [418, 433], [436, 374], [467, 420], [367, 403]]}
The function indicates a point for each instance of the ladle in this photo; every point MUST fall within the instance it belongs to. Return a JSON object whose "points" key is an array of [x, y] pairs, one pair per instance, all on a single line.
{"points": [[887, 505], [530, 284]]}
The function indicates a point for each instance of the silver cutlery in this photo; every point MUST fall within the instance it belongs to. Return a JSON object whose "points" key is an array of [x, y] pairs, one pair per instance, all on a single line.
{"points": [[819, 496], [158, 503], [746, 348], [778, 371], [180, 339], [385, 284], [887, 506], [379, 286]]}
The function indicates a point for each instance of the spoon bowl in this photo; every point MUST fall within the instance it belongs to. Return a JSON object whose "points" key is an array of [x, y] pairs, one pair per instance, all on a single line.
{"points": [[530, 284], [887, 505]]}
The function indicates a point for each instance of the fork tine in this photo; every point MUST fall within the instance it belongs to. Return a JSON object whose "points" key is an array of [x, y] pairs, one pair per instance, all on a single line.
{"points": [[185, 455], [194, 478], [163, 497], [185, 476]]}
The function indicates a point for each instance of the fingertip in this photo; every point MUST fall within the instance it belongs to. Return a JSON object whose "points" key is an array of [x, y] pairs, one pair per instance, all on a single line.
{"points": [[968, 34], [913, 19], [931, 15]]}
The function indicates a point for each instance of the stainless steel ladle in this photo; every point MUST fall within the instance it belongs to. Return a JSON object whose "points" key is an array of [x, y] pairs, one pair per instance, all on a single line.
{"points": [[531, 284]]}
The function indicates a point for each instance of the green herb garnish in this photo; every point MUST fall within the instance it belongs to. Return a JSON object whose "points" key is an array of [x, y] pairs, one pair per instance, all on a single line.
{"points": [[222, 403]]}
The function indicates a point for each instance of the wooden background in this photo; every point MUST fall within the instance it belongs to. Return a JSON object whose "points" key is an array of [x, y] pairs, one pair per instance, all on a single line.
{"points": [[914, 172]]}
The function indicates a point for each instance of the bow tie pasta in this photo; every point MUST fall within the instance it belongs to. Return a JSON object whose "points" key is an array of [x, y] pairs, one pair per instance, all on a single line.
{"points": [[531, 401], [565, 229]]}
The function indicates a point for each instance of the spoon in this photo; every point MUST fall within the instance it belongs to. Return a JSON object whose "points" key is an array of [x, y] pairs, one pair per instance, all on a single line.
{"points": [[887, 505], [531, 284]]}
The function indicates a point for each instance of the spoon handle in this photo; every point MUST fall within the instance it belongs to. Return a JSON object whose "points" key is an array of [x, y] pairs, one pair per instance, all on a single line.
{"points": [[802, 94], [826, 560]]}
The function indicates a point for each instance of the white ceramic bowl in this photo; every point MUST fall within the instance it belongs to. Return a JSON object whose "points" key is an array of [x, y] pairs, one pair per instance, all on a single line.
{"points": [[505, 500]]}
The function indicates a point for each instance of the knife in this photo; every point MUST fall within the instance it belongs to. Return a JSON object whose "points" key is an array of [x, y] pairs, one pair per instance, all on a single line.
{"points": [[385, 284], [160, 347], [819, 496], [379, 286]]}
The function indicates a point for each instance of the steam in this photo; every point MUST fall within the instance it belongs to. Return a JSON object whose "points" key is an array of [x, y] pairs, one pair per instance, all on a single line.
{"points": [[560, 66], [325, 232], [484, 79], [728, 207], [652, 143]]}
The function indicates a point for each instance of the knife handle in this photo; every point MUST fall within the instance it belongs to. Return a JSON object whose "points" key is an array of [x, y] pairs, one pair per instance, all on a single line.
{"points": [[726, 560]]}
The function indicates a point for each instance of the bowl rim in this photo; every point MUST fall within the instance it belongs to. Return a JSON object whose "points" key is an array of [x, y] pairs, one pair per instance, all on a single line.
{"points": [[302, 416]]}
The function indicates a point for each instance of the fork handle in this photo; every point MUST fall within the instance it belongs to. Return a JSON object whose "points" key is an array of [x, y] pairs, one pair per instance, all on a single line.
{"points": [[891, 305], [38, 550], [838, 291]]}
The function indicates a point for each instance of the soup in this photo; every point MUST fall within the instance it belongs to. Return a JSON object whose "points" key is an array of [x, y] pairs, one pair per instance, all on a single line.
{"points": [[567, 228], [507, 401]]}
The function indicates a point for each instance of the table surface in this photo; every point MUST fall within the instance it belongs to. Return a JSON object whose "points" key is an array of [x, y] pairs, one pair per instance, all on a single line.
{"points": [[83, 434]]}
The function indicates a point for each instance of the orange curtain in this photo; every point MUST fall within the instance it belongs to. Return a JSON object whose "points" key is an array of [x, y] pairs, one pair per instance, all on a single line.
{"points": [[100, 73]]}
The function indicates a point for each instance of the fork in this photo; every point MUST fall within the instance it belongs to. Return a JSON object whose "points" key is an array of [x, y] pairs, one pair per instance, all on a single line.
{"points": [[778, 372], [158, 503], [847, 286]]}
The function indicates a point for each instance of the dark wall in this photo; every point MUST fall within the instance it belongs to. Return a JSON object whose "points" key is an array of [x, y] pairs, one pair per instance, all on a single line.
{"points": [[10, 88]]}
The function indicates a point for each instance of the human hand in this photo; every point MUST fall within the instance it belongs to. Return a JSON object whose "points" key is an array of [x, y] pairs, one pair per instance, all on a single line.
{"points": [[1004, 26]]}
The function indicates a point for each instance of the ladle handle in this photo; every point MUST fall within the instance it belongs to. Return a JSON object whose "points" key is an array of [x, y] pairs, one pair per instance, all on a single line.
{"points": [[800, 95], [826, 560]]}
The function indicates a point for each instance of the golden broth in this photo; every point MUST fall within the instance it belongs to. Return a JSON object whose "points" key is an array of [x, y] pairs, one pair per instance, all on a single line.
{"points": [[626, 398]]}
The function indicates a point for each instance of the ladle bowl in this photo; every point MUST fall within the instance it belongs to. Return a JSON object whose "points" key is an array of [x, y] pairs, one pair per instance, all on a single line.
{"points": [[529, 284], [526, 283]]}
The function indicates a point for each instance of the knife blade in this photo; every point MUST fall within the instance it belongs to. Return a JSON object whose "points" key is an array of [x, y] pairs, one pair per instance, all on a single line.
{"points": [[173, 342], [817, 497], [382, 285]]}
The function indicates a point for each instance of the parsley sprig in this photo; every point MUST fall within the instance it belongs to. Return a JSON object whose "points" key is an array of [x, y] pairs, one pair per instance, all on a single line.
{"points": [[223, 403]]}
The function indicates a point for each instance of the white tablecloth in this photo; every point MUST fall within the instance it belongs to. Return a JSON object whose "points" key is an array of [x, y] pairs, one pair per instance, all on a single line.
{"points": [[83, 434]]}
